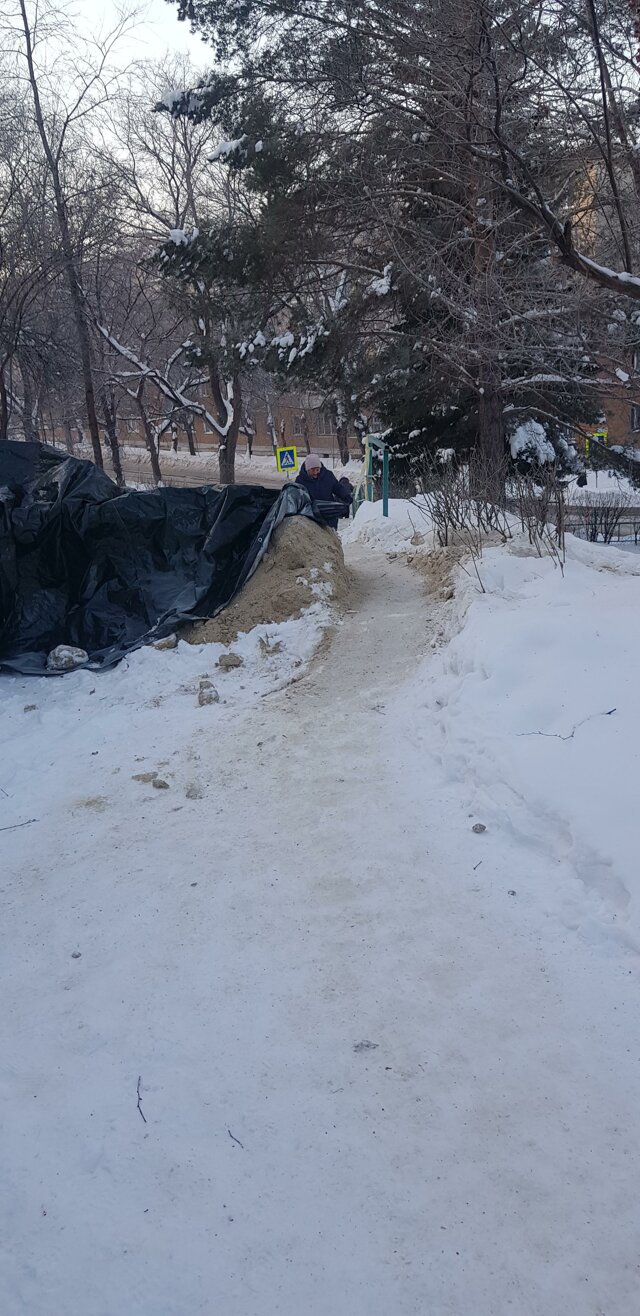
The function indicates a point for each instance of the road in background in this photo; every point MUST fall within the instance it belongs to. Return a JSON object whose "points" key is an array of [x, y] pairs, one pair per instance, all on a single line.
{"points": [[182, 474], [182, 471]]}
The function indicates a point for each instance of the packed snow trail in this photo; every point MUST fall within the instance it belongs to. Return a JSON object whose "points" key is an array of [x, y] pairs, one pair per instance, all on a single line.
{"points": [[372, 1080]]}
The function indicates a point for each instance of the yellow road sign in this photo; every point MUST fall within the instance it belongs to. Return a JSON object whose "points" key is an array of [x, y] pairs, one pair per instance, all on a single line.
{"points": [[286, 460]]}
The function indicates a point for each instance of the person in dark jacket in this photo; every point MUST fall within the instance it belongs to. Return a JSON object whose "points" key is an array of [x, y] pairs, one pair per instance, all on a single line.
{"points": [[322, 486]]}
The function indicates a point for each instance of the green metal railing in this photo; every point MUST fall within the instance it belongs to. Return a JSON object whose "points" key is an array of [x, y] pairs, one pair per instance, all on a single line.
{"points": [[366, 484]]}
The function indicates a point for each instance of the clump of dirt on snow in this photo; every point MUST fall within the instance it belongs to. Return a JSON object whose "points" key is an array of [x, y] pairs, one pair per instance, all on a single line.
{"points": [[304, 564]]}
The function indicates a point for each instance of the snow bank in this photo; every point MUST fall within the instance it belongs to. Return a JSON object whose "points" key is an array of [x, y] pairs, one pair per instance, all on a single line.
{"points": [[405, 519], [600, 557], [534, 709]]}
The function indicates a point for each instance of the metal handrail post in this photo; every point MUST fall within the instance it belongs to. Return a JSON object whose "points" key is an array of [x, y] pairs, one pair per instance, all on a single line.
{"points": [[369, 471]]}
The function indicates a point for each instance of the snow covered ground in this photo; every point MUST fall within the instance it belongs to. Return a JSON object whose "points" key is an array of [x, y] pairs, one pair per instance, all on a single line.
{"points": [[386, 1063]]}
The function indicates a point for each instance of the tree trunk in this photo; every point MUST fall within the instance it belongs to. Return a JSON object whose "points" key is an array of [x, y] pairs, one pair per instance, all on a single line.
{"points": [[109, 414], [67, 421], [188, 429], [75, 290], [342, 441], [491, 464], [85, 357], [149, 437], [52, 423], [227, 453], [271, 423], [4, 407], [27, 399], [152, 449], [250, 431]]}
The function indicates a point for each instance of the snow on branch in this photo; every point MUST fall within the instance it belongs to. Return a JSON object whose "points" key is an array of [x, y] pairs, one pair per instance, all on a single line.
{"points": [[618, 281], [181, 101], [529, 441], [525, 317], [225, 149], [181, 238], [170, 391], [524, 381], [381, 286]]}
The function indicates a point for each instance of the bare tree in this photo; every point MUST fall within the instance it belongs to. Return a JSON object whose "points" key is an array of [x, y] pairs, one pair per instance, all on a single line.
{"points": [[29, 262], [66, 93]]}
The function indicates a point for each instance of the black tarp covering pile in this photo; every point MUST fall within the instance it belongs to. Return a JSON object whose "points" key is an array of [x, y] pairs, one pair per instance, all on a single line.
{"points": [[82, 563]]}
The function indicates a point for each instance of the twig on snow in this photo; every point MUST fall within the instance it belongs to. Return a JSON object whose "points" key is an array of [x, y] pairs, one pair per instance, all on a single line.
{"points": [[240, 1144], [555, 735], [139, 1099], [14, 826]]}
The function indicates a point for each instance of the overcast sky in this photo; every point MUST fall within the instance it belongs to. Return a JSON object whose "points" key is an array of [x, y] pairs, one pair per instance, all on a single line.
{"points": [[158, 32]]}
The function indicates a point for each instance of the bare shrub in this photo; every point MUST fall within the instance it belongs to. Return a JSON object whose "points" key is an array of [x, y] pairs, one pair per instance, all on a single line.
{"points": [[539, 503], [599, 515], [458, 506], [463, 514]]}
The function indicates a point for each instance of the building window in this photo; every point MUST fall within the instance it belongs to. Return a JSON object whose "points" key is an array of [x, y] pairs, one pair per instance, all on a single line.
{"points": [[298, 427], [326, 424], [635, 418], [132, 426]]}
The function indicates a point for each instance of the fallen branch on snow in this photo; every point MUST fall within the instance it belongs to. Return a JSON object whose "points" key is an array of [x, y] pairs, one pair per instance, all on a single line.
{"points": [[140, 1099], [555, 735]]}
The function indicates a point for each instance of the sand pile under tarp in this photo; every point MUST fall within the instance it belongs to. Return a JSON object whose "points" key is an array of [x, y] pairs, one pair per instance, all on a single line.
{"points": [[304, 564]]}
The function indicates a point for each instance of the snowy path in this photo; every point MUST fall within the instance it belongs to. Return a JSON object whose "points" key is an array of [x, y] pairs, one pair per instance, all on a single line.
{"points": [[374, 1082]]}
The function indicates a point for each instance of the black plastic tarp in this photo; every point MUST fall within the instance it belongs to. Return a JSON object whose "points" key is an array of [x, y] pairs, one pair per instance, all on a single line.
{"points": [[84, 564]]}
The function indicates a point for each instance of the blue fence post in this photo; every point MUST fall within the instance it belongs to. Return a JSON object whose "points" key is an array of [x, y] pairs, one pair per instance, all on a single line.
{"points": [[366, 484], [369, 472]]}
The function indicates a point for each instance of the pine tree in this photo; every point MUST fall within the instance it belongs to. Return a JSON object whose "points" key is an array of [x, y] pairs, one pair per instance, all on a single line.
{"points": [[405, 279]]}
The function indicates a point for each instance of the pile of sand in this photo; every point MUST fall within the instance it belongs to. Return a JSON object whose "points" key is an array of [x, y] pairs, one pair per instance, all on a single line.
{"points": [[304, 563], [438, 568]]}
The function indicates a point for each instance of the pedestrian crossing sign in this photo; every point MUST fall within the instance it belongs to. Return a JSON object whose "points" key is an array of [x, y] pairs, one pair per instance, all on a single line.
{"points": [[601, 436], [286, 460]]}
